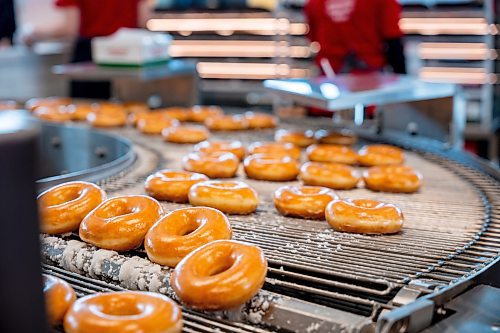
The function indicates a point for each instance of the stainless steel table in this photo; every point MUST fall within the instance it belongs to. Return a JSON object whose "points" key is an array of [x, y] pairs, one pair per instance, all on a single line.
{"points": [[357, 91], [172, 83]]}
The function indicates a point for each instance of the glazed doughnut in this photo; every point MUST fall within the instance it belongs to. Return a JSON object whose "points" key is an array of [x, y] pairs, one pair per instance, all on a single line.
{"points": [[134, 117], [172, 185], [108, 116], [54, 101], [182, 231], [8, 105], [200, 113], [332, 175], [217, 164], [271, 167], [120, 223], [257, 120], [235, 147], [181, 114], [275, 149], [57, 114], [155, 125], [336, 137], [231, 197], [380, 155], [185, 134], [308, 202], [124, 311], [392, 178], [364, 216], [234, 122], [220, 275], [298, 138], [64, 206], [332, 154], [80, 111], [59, 296]]}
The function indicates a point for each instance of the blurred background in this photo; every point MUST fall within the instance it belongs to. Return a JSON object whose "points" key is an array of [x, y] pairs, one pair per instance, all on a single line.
{"points": [[445, 41]]}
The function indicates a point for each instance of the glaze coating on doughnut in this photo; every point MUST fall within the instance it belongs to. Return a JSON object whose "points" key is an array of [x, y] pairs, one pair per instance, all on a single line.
{"points": [[220, 275], [59, 296], [271, 167], [275, 148], [199, 113], [56, 114], [332, 175], [332, 154], [184, 230], [231, 197], [393, 178], [374, 155], [259, 120], [155, 125], [124, 311], [185, 134], [107, 116], [53, 101], [364, 216], [80, 111], [234, 122], [235, 147], [336, 137], [303, 201], [172, 185], [64, 206], [214, 165], [120, 223], [298, 138]]}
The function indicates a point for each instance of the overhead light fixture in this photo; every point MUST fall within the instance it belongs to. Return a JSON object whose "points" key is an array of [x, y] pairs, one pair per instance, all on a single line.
{"points": [[459, 75], [465, 51], [446, 26], [248, 71]]}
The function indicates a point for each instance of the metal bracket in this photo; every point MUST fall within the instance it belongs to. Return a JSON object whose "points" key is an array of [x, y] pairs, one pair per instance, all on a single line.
{"points": [[411, 318]]}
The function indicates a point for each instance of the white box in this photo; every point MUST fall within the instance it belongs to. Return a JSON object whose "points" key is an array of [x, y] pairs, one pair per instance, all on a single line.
{"points": [[131, 47]]}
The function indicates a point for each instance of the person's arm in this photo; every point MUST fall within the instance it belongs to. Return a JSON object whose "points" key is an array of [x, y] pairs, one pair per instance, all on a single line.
{"points": [[66, 27], [392, 36]]}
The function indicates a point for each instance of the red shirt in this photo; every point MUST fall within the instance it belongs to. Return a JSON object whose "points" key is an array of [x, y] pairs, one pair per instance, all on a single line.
{"points": [[353, 26], [104, 17]]}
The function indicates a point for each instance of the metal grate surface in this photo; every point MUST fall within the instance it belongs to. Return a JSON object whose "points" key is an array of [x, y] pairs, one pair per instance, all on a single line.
{"points": [[452, 229]]}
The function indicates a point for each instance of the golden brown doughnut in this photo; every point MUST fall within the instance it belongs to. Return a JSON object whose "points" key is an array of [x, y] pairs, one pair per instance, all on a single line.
{"points": [[215, 165], [275, 149], [80, 111], [258, 120], [235, 147], [120, 223], [199, 113], [53, 101], [220, 275], [185, 134], [181, 114], [107, 115], [59, 114], [172, 185], [271, 167], [63, 207], [234, 122], [332, 154], [332, 175], [124, 311], [299, 138], [8, 105], [393, 178], [374, 155], [308, 202], [231, 197], [364, 216], [155, 125], [336, 137], [184, 230], [59, 296]]}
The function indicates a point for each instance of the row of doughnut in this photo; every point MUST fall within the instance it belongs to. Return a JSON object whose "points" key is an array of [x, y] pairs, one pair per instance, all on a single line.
{"points": [[196, 241]]}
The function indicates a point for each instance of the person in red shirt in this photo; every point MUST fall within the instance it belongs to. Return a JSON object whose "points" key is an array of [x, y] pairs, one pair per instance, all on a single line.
{"points": [[356, 36], [84, 20]]}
